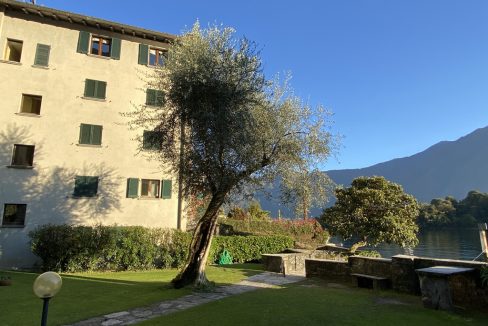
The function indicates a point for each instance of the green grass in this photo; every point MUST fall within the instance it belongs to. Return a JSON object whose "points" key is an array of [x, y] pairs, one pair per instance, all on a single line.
{"points": [[86, 295], [315, 302]]}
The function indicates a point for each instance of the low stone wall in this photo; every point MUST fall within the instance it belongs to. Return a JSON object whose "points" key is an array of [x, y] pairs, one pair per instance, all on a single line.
{"points": [[400, 270], [370, 266], [293, 260], [327, 269]]}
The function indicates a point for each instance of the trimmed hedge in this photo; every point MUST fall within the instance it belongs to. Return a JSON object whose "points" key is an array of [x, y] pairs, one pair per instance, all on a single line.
{"points": [[305, 232], [67, 248]]}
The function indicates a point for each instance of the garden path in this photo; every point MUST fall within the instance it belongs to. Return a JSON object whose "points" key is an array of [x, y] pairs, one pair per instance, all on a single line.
{"points": [[136, 315]]}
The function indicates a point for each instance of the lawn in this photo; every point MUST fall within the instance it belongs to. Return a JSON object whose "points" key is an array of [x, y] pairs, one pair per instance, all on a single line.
{"points": [[86, 295], [315, 302]]}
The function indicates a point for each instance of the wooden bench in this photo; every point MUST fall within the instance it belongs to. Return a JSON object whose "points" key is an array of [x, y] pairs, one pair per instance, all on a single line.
{"points": [[371, 281]]}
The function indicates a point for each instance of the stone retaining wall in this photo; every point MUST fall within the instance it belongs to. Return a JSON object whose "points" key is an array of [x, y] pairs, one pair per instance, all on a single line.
{"points": [[400, 270]]}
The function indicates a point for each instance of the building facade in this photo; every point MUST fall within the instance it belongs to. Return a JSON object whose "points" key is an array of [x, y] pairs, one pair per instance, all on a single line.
{"points": [[66, 152]]}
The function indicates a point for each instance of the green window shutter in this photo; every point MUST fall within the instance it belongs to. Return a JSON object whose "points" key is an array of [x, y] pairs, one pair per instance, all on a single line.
{"points": [[115, 49], [166, 189], [85, 134], [151, 140], [42, 55], [159, 98], [83, 42], [90, 86], [151, 95], [85, 186], [79, 186], [96, 135], [132, 187], [100, 89], [91, 187], [143, 54]]}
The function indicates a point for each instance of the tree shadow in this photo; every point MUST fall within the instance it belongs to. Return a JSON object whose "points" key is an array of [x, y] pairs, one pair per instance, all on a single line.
{"points": [[48, 192]]}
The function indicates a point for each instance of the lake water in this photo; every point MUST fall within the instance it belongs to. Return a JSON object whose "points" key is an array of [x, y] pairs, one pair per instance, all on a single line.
{"points": [[455, 243]]}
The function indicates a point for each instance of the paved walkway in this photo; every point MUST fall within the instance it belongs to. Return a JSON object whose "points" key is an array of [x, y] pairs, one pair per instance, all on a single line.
{"points": [[136, 315]]}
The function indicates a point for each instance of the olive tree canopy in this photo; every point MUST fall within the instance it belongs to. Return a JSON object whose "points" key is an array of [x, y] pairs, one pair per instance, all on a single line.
{"points": [[221, 125]]}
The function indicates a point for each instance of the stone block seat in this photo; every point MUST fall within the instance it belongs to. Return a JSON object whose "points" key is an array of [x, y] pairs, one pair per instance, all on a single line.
{"points": [[371, 281]]}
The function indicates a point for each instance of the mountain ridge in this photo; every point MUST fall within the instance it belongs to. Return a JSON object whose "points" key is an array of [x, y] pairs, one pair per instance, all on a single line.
{"points": [[447, 168]]}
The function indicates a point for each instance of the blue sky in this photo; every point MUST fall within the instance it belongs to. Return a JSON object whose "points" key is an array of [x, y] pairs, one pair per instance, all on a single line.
{"points": [[398, 75]]}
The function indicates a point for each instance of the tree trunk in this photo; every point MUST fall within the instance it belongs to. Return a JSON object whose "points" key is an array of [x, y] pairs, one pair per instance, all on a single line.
{"points": [[194, 270], [357, 245], [305, 207]]}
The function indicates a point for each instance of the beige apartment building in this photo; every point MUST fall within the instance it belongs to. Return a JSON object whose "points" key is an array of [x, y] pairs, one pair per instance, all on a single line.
{"points": [[66, 153]]}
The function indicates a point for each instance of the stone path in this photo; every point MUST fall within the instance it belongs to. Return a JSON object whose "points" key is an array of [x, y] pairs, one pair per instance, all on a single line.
{"points": [[136, 315]]}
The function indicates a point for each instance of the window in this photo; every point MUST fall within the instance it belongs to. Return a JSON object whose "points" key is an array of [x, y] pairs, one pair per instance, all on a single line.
{"points": [[150, 188], [14, 214], [31, 104], [95, 89], [167, 189], [151, 56], [154, 97], [156, 57], [90, 134], [99, 45], [85, 186], [42, 55], [23, 155], [13, 52], [151, 140]]}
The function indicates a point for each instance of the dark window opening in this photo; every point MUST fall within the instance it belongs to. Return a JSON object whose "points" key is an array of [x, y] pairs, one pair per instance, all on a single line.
{"points": [[14, 214], [23, 155], [31, 104], [13, 51]]}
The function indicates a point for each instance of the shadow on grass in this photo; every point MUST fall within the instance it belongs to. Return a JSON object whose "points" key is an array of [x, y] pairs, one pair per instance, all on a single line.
{"points": [[86, 295]]}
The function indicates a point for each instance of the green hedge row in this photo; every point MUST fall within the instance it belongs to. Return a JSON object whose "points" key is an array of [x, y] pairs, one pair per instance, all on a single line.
{"points": [[67, 248], [302, 231]]}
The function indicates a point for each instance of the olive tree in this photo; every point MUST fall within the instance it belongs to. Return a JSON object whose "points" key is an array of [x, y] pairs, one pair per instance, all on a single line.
{"points": [[302, 189], [222, 125], [373, 210]]}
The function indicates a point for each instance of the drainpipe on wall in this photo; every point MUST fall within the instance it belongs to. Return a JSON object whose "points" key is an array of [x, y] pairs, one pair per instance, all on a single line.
{"points": [[180, 177]]}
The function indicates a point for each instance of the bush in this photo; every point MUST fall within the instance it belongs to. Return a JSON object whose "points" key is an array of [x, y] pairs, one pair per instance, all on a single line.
{"points": [[248, 248], [308, 232], [67, 248]]}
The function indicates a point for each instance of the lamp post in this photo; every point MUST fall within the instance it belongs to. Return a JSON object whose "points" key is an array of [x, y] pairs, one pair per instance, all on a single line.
{"points": [[45, 287]]}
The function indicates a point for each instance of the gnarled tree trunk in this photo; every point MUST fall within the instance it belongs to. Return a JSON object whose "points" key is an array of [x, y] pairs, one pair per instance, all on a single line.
{"points": [[194, 270], [357, 245]]}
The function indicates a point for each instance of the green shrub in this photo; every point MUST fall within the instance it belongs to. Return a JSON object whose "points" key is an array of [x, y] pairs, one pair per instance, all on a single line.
{"points": [[308, 232], [67, 248], [248, 248]]}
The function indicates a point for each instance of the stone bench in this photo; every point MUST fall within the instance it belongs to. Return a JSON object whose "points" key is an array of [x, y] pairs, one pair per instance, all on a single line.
{"points": [[371, 281]]}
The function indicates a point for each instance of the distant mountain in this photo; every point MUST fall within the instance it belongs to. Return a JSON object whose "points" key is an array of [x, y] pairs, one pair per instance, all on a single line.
{"points": [[448, 168]]}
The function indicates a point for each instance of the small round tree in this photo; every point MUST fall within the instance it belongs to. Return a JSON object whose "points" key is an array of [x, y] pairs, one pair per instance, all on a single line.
{"points": [[373, 210]]}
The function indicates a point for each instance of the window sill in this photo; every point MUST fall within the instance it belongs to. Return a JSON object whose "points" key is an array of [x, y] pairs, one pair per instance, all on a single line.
{"points": [[83, 197], [11, 62], [98, 56], [89, 145], [12, 226], [148, 198], [22, 167], [94, 99], [40, 67], [26, 114]]}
